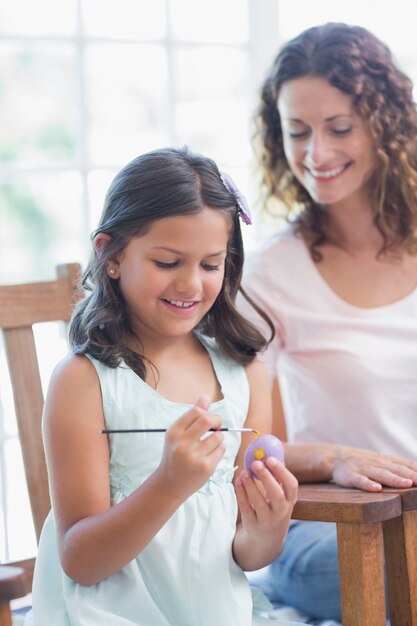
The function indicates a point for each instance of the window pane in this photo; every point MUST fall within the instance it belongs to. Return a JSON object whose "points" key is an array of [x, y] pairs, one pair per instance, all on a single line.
{"points": [[7, 414], [51, 346], [297, 15], [215, 21], [136, 19], [21, 533], [212, 110], [225, 134], [43, 17], [98, 184], [127, 101], [211, 71], [42, 224], [37, 104]]}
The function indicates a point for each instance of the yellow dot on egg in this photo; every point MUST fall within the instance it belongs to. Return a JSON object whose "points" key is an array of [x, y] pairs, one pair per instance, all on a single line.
{"points": [[259, 454]]}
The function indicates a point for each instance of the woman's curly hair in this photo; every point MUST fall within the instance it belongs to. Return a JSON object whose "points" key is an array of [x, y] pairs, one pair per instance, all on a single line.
{"points": [[353, 60]]}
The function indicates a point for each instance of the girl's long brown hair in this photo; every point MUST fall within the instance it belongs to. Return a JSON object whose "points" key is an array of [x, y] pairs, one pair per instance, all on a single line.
{"points": [[159, 184]]}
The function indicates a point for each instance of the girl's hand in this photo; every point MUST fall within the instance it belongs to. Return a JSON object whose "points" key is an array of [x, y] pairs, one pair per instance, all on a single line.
{"points": [[188, 460], [371, 471], [266, 505]]}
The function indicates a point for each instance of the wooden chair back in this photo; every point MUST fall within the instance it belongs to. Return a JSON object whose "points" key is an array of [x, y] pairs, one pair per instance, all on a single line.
{"points": [[22, 306]]}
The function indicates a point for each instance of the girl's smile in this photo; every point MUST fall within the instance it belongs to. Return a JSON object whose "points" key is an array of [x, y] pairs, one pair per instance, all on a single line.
{"points": [[171, 276], [181, 307]]}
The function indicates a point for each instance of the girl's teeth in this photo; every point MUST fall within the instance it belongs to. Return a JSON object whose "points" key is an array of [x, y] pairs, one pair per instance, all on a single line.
{"points": [[180, 303]]}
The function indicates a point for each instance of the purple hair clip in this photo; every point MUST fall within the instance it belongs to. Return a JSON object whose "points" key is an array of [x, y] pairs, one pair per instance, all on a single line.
{"points": [[244, 210]]}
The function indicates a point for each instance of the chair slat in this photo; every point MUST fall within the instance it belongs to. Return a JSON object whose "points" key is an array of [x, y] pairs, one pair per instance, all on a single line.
{"points": [[28, 400], [32, 303]]}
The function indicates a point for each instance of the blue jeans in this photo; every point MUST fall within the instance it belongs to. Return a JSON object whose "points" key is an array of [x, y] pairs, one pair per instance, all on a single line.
{"points": [[306, 575]]}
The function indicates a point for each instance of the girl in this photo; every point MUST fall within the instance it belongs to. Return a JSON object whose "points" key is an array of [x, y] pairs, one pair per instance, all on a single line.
{"points": [[143, 529], [337, 132]]}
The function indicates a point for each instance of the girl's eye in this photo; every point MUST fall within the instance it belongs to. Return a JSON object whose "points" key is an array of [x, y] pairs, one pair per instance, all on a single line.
{"points": [[165, 266], [209, 267]]}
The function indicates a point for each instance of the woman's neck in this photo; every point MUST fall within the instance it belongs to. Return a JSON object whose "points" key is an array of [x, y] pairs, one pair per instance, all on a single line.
{"points": [[351, 226]]}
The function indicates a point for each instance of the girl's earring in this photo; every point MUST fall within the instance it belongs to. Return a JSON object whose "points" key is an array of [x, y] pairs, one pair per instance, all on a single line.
{"points": [[112, 272]]}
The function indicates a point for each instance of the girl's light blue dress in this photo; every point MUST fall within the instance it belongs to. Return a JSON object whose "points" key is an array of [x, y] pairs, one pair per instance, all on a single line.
{"points": [[186, 576]]}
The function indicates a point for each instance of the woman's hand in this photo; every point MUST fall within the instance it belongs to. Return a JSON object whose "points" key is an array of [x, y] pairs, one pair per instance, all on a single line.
{"points": [[188, 461], [371, 471], [265, 509]]}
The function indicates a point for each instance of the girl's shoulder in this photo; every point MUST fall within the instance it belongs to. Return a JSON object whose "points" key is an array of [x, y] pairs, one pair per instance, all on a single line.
{"points": [[256, 371], [211, 346], [73, 391], [73, 366], [220, 360]]}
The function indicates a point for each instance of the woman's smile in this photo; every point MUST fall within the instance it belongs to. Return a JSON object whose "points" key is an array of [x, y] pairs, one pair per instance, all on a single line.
{"points": [[326, 143]]}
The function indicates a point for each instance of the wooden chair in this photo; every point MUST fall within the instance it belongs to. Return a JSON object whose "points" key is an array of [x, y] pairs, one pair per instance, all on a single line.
{"points": [[367, 525], [21, 306], [360, 517], [400, 544]]}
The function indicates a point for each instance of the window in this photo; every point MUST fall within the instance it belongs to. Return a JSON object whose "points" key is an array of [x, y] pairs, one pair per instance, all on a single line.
{"points": [[85, 86], [393, 22]]}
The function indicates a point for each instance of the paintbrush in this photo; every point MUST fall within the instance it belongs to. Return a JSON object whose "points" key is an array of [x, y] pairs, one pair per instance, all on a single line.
{"points": [[108, 431]]}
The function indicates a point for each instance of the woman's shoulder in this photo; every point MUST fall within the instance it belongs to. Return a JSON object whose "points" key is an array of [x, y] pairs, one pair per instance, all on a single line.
{"points": [[274, 255]]}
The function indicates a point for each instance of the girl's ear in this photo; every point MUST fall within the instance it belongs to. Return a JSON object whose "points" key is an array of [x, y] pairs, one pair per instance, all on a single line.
{"points": [[100, 243]]}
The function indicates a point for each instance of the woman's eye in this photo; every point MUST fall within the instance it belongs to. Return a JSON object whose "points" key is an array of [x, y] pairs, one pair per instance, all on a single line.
{"points": [[342, 131], [164, 265], [298, 135]]}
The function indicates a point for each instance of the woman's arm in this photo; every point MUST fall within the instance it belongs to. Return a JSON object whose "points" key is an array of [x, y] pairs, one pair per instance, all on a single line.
{"points": [[349, 467], [344, 465], [95, 539], [266, 504]]}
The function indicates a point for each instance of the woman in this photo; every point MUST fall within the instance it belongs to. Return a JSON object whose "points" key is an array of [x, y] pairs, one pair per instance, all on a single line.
{"points": [[337, 135]]}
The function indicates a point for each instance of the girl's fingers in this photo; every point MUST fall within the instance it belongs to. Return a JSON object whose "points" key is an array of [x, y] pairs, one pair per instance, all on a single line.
{"points": [[201, 406], [255, 497], [277, 481], [262, 507], [246, 509], [193, 424], [287, 481], [202, 425], [210, 443], [203, 401]]}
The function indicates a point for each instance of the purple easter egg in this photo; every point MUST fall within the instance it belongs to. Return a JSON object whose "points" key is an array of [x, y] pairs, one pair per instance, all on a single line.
{"points": [[261, 448]]}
